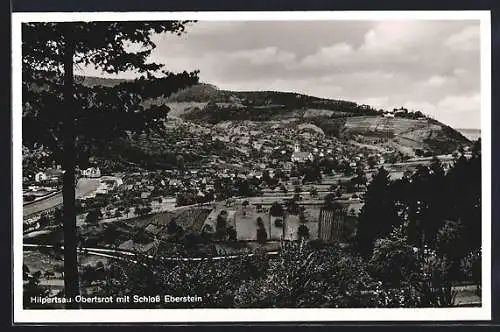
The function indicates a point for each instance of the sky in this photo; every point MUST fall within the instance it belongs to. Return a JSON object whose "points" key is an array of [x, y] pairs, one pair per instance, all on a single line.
{"points": [[427, 65]]}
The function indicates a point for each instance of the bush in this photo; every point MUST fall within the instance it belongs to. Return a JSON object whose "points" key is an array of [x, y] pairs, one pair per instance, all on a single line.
{"points": [[276, 210], [303, 232], [231, 234], [393, 260], [303, 277], [93, 216], [471, 266], [261, 235], [171, 227]]}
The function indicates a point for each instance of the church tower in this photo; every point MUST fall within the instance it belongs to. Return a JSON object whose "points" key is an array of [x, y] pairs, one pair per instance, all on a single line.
{"points": [[297, 147]]}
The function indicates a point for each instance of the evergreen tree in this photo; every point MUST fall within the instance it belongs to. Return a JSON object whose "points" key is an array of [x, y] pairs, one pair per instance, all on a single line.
{"points": [[464, 199], [426, 200], [60, 113]]}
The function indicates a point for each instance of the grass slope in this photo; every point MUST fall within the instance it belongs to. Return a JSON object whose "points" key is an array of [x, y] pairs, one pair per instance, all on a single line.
{"points": [[205, 103]]}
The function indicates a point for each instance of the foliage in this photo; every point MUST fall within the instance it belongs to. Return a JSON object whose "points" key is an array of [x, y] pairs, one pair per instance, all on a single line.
{"points": [[311, 172], [330, 202], [172, 227], [260, 105], [306, 277], [261, 233], [378, 216], [231, 234], [471, 266], [292, 207], [393, 260], [449, 241], [116, 108], [425, 201], [303, 232], [32, 288], [221, 225], [214, 281], [43, 220], [93, 216], [62, 115], [436, 287], [276, 210]]}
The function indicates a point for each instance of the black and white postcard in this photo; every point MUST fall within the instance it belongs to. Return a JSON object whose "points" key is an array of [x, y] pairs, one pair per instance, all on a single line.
{"points": [[251, 166]]}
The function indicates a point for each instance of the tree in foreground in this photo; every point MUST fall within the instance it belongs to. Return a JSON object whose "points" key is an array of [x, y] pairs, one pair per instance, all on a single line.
{"points": [[394, 261], [436, 286], [395, 264], [215, 281], [63, 115], [450, 244], [300, 276], [410, 279], [378, 216], [309, 278]]}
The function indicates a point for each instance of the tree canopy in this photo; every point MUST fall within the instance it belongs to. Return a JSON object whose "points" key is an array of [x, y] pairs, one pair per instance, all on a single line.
{"points": [[101, 112], [67, 116]]}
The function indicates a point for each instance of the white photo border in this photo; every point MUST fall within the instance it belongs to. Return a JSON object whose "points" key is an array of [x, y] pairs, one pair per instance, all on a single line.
{"points": [[22, 315]]}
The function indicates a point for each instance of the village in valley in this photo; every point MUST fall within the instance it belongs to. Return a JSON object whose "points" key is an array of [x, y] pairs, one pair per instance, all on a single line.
{"points": [[254, 186], [257, 165]]}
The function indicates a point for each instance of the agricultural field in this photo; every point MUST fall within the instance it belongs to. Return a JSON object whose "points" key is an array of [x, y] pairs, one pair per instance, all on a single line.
{"points": [[244, 219], [395, 126]]}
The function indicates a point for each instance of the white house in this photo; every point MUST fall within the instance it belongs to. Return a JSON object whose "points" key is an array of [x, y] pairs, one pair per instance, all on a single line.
{"points": [[92, 172], [40, 176], [389, 114], [49, 175], [174, 182], [300, 156]]}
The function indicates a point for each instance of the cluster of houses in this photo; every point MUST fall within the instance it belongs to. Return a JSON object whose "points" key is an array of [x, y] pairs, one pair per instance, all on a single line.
{"points": [[402, 112], [50, 180], [395, 112], [50, 175], [91, 172], [246, 148], [54, 175]]}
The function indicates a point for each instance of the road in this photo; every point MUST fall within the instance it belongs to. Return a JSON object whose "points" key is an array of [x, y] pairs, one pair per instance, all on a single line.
{"points": [[84, 187]]}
